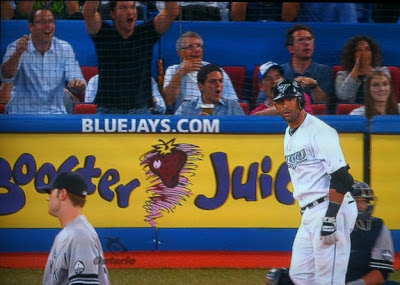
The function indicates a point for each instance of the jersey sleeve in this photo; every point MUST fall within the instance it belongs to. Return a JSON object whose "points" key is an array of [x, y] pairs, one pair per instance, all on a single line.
{"points": [[382, 254], [327, 148], [84, 257]]}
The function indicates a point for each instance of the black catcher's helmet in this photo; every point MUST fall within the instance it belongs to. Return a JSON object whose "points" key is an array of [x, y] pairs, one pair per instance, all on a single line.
{"points": [[287, 88], [363, 190]]}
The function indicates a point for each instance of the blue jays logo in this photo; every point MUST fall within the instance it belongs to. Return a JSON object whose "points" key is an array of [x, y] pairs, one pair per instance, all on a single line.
{"points": [[282, 87], [296, 158]]}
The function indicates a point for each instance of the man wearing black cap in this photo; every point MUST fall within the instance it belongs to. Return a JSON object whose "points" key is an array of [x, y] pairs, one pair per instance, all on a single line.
{"points": [[321, 181], [76, 256]]}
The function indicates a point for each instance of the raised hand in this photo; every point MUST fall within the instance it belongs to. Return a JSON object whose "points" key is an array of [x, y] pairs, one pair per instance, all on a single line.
{"points": [[22, 44]]}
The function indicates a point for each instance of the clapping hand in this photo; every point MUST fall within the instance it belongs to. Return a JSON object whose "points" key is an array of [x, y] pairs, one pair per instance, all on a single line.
{"points": [[22, 44]]}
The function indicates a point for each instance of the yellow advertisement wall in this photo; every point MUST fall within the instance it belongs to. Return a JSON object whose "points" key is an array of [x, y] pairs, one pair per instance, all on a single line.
{"points": [[385, 177], [207, 154]]}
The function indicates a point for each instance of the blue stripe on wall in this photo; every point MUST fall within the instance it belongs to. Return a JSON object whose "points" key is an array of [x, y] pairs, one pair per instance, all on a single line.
{"points": [[176, 124], [165, 239]]}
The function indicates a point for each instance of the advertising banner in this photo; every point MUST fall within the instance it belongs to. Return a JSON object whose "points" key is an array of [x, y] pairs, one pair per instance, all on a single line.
{"points": [[158, 180]]}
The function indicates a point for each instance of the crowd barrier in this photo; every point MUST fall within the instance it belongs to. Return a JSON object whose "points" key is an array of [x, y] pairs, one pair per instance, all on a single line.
{"points": [[232, 192]]}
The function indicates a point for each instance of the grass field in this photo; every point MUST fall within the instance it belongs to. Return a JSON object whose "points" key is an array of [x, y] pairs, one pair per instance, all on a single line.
{"points": [[210, 276]]}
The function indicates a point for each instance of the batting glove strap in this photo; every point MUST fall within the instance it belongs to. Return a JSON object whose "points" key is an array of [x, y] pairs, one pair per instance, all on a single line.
{"points": [[328, 226], [328, 231]]}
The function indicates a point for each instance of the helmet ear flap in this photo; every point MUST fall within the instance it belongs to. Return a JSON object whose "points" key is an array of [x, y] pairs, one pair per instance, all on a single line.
{"points": [[302, 102]]}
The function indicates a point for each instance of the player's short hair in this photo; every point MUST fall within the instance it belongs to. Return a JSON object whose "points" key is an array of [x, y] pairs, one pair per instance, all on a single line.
{"points": [[77, 200]]}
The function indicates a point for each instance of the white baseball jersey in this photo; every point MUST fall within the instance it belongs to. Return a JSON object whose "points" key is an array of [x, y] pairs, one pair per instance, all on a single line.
{"points": [[312, 153], [76, 256]]}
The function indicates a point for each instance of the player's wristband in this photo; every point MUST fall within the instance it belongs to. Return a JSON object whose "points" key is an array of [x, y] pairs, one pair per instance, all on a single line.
{"points": [[333, 209], [357, 282]]}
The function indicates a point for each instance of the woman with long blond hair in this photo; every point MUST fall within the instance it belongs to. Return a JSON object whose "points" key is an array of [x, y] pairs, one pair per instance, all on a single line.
{"points": [[379, 95]]}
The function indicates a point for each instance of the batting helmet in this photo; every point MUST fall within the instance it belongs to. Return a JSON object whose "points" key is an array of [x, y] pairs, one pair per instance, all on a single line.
{"points": [[363, 190], [288, 89]]}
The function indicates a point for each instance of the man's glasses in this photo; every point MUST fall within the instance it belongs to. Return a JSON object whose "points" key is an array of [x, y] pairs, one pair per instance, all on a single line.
{"points": [[308, 40], [192, 46]]}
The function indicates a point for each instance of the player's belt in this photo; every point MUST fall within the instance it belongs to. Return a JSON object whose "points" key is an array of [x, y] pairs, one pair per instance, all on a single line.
{"points": [[314, 203]]}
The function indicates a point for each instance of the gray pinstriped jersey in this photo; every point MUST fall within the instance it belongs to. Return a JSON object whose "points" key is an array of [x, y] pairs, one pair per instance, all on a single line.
{"points": [[74, 256]]}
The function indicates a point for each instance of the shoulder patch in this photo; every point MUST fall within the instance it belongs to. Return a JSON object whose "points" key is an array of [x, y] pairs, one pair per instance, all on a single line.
{"points": [[387, 255], [79, 267]]}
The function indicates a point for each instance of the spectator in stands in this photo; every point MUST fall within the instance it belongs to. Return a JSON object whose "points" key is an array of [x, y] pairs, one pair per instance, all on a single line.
{"points": [[210, 79], [265, 11], [200, 10], [380, 98], [7, 9], [269, 75], [315, 78], [372, 251], [361, 54], [145, 10], [39, 65], [125, 52], [62, 10], [328, 12], [159, 104], [180, 81], [69, 98]]}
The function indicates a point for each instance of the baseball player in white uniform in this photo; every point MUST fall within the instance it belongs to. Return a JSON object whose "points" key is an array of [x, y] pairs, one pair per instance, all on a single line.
{"points": [[76, 256], [321, 181]]}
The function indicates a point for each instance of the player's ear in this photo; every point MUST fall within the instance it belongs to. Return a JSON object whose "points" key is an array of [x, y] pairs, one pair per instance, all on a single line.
{"points": [[63, 194]]}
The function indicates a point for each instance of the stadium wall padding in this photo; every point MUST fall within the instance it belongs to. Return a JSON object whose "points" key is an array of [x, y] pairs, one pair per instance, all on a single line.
{"points": [[257, 213]]}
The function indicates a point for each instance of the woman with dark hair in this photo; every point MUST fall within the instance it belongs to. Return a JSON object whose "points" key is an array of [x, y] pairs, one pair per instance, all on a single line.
{"points": [[361, 54], [380, 98]]}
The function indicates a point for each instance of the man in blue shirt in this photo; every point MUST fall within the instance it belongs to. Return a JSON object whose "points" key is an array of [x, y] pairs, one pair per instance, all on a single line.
{"points": [[39, 66], [210, 80], [315, 78]]}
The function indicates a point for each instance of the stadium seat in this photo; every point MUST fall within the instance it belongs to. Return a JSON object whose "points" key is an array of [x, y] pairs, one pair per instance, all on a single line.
{"points": [[319, 109], [85, 108], [245, 107], [394, 72], [2, 108], [238, 76], [345, 109], [89, 71]]}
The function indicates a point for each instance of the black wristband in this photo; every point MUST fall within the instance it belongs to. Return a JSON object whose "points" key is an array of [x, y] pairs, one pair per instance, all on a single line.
{"points": [[333, 209]]}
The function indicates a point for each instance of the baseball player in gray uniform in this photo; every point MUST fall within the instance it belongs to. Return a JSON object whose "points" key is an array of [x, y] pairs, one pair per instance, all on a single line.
{"points": [[372, 250], [321, 181], [76, 256]]}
